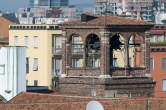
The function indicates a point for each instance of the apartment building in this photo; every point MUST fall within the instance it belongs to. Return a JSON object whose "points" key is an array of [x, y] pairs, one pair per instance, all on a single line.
{"points": [[39, 41], [48, 3], [146, 8], [158, 59]]}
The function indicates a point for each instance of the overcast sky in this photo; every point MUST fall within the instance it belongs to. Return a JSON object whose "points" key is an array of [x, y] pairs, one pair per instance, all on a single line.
{"points": [[13, 5]]}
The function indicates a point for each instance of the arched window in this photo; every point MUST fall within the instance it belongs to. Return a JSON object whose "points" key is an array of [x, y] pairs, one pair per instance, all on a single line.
{"points": [[117, 51], [77, 50], [92, 51], [136, 54]]}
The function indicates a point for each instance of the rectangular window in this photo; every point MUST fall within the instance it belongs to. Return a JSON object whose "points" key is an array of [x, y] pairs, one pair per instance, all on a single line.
{"points": [[27, 65], [76, 39], [35, 82], [57, 42], [164, 63], [159, 38], [115, 62], [35, 64], [164, 84], [26, 41], [15, 40], [152, 39], [76, 62], [35, 41], [57, 67], [151, 63]]}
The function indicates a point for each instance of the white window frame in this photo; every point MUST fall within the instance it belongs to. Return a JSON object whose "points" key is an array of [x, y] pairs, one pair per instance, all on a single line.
{"points": [[36, 38], [164, 84], [26, 41], [16, 41], [55, 71], [57, 44], [35, 64], [76, 62]]}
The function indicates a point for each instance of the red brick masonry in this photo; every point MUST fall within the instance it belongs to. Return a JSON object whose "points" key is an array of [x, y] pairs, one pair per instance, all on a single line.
{"points": [[35, 101]]}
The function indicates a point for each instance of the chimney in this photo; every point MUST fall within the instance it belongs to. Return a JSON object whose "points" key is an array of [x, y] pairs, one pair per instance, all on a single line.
{"points": [[138, 16]]}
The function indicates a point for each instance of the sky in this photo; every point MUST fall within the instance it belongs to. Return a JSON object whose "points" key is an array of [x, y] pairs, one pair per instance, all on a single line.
{"points": [[13, 5]]}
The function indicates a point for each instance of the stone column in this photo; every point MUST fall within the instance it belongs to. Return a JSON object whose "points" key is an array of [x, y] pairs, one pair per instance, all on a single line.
{"points": [[104, 48], [126, 55]]}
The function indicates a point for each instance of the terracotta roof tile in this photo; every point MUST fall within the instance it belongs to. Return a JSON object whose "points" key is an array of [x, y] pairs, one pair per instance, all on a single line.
{"points": [[36, 101], [109, 20]]}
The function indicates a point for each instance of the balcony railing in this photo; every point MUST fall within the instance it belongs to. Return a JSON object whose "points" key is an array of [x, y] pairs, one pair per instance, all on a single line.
{"points": [[77, 50], [57, 51]]}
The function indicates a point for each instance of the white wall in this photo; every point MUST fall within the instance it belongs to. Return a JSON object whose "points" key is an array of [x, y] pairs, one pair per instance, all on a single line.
{"points": [[12, 71]]}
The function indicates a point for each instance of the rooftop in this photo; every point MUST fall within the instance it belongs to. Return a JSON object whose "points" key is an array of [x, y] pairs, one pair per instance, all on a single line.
{"points": [[58, 101], [4, 25], [106, 20]]}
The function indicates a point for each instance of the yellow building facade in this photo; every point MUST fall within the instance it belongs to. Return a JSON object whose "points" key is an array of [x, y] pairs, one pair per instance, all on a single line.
{"points": [[38, 40], [44, 52]]}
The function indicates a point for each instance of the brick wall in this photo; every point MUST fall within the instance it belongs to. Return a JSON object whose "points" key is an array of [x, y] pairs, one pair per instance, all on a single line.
{"points": [[124, 86], [114, 104]]}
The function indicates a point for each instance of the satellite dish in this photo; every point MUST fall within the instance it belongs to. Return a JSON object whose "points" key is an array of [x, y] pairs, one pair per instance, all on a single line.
{"points": [[94, 105]]}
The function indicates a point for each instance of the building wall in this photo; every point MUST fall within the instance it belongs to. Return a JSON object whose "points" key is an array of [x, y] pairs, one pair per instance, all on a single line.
{"points": [[12, 71], [157, 53], [43, 53], [158, 73]]}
